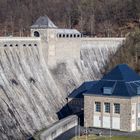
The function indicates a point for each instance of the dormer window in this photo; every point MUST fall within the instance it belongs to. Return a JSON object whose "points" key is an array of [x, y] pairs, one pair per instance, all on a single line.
{"points": [[138, 90], [107, 90]]}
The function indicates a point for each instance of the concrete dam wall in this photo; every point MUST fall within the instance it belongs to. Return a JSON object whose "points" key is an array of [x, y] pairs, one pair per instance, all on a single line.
{"points": [[31, 92]]}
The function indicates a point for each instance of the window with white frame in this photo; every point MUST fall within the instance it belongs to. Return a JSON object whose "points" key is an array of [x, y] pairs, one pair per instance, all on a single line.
{"points": [[97, 106], [138, 121], [117, 108], [138, 107], [107, 107]]}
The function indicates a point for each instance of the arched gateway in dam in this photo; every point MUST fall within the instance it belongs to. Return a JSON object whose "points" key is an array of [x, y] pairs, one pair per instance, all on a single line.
{"points": [[37, 73]]}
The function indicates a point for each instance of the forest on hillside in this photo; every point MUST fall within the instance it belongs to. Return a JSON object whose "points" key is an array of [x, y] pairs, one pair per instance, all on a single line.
{"points": [[129, 53], [91, 17]]}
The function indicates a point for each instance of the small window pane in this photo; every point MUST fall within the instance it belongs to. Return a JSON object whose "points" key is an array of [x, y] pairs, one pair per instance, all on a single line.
{"points": [[138, 121], [117, 108], [139, 107], [97, 106], [107, 107], [138, 90], [107, 90], [78, 35]]}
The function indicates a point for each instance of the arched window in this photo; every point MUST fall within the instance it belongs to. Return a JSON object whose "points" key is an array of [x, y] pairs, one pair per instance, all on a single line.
{"points": [[16, 45], [5, 45], [35, 44], [24, 45], [67, 35], [63, 35], [70, 35], [74, 35], [11, 45], [30, 44], [36, 34], [78, 35], [59, 35]]}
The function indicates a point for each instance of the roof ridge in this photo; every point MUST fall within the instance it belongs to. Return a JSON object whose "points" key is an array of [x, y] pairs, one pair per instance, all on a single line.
{"points": [[132, 89], [43, 22], [121, 72]]}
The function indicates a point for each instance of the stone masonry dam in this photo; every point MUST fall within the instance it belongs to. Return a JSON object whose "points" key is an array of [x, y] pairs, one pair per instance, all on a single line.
{"points": [[32, 91]]}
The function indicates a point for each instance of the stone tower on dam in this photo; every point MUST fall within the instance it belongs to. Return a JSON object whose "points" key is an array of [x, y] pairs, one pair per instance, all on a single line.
{"points": [[61, 44], [38, 72]]}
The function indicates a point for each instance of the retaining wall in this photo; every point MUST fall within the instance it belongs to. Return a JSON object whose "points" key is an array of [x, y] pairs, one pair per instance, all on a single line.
{"points": [[59, 127]]}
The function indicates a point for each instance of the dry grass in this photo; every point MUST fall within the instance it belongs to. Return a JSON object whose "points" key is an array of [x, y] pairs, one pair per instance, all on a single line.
{"points": [[93, 137]]}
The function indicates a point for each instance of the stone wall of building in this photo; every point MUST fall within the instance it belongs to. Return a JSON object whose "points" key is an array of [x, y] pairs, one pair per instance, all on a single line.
{"points": [[125, 110], [136, 100]]}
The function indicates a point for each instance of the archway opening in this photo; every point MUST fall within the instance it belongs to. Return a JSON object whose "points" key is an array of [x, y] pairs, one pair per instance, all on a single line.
{"points": [[36, 34]]}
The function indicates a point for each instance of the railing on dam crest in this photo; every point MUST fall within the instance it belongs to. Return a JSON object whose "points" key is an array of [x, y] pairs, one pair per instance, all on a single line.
{"points": [[59, 128]]}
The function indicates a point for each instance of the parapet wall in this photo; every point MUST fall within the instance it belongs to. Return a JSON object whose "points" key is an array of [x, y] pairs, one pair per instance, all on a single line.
{"points": [[58, 50], [68, 49], [101, 42], [59, 128], [19, 42]]}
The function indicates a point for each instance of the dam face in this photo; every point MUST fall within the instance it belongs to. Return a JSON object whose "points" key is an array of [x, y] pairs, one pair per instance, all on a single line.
{"points": [[37, 74]]}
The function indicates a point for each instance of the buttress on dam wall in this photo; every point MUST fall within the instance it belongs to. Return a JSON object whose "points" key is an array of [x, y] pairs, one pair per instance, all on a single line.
{"points": [[38, 72]]}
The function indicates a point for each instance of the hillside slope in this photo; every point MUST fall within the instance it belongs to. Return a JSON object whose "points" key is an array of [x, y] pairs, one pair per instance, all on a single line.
{"points": [[92, 17], [129, 53]]}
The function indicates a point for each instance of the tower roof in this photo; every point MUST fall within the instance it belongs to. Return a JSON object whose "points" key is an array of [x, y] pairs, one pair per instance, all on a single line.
{"points": [[43, 22]]}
